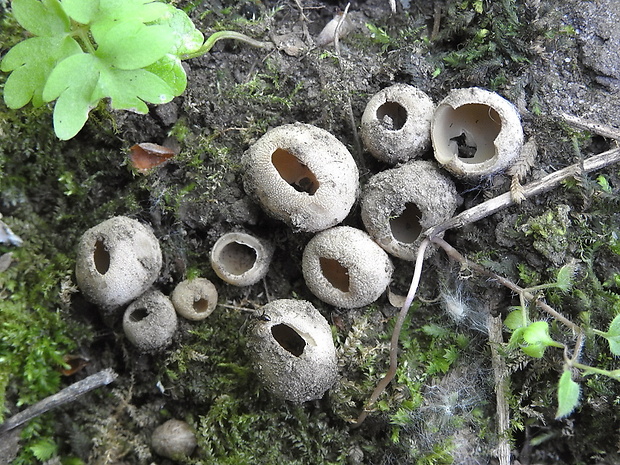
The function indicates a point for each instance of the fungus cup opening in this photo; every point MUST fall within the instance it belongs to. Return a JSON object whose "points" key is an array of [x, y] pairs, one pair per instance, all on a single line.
{"points": [[335, 273], [237, 258], [406, 227], [295, 173], [289, 339], [467, 132], [392, 116], [201, 305], [101, 257], [138, 314]]}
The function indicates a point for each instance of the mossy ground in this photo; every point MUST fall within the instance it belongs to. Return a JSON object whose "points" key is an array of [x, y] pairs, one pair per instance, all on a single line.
{"points": [[440, 409]]}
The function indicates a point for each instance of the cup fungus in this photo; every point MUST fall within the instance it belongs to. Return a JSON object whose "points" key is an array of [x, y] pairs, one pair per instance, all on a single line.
{"points": [[398, 204], [150, 322], [292, 350], [396, 124], [344, 267], [117, 261], [302, 175], [194, 299], [240, 258], [476, 133], [174, 440]]}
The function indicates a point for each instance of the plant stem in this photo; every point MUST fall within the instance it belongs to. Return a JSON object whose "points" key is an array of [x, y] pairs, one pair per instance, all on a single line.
{"points": [[213, 38], [82, 34]]}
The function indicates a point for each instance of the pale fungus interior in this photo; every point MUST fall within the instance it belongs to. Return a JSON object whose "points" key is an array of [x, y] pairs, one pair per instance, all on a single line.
{"points": [[138, 314], [101, 257], [406, 227], [237, 258], [289, 339], [201, 305], [467, 132], [335, 273], [392, 116], [294, 172]]}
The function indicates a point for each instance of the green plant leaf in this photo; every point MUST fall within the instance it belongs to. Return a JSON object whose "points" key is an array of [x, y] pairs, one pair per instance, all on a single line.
{"points": [[31, 62], [170, 69], [565, 277], [514, 319], [534, 350], [44, 449], [45, 18], [613, 335], [538, 333], [568, 395], [132, 45], [72, 82], [145, 11], [187, 38], [82, 11]]}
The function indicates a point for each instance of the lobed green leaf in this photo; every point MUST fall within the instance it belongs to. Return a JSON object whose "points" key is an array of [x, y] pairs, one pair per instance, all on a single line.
{"points": [[45, 18], [82, 11], [171, 71], [145, 11], [187, 39], [565, 277], [538, 333], [568, 395], [31, 62], [613, 335], [133, 45], [514, 319]]}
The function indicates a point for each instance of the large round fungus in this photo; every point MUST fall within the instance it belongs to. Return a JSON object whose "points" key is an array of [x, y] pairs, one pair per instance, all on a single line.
{"points": [[476, 133], [150, 322], [302, 175], [117, 261], [292, 350], [398, 204], [344, 267]]}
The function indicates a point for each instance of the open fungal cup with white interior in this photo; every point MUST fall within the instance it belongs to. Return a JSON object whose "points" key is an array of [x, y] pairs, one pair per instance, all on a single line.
{"points": [[240, 258], [476, 133], [302, 175]]}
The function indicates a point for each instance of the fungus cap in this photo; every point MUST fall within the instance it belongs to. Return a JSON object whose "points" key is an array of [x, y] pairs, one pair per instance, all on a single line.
{"points": [[476, 133], [240, 258], [396, 124], [400, 203], [194, 299], [117, 261], [302, 175], [150, 322], [293, 351], [344, 267], [174, 439]]}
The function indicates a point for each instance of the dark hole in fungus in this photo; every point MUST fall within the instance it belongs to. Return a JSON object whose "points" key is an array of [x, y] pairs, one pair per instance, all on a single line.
{"points": [[101, 257], [335, 273], [201, 305], [138, 314], [294, 172], [466, 148], [406, 227], [476, 127], [237, 258], [288, 338], [392, 116]]}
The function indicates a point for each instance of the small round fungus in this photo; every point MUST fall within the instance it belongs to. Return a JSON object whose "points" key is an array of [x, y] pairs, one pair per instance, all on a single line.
{"points": [[396, 124], [240, 258], [174, 440], [293, 351], [302, 175], [476, 133], [400, 203], [150, 322], [194, 299], [344, 267], [117, 261]]}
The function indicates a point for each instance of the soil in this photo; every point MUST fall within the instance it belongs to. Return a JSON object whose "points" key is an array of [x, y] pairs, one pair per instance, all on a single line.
{"points": [[562, 59]]}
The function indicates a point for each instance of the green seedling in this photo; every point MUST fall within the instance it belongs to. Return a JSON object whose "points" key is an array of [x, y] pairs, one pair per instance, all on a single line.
{"points": [[83, 51]]}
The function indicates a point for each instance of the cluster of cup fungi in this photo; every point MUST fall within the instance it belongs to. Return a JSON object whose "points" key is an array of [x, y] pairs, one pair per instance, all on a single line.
{"points": [[305, 177]]}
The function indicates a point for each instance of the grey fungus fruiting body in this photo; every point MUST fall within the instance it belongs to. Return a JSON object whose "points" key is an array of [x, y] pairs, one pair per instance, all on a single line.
{"points": [[241, 259], [302, 175], [344, 267], [400, 203], [476, 133], [150, 322], [292, 350], [117, 261], [174, 439], [396, 124], [194, 299]]}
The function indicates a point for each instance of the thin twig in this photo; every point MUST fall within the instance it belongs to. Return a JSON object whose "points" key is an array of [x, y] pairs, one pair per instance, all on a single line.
{"points": [[597, 128], [415, 281], [500, 374], [66, 395], [545, 184]]}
